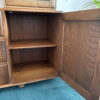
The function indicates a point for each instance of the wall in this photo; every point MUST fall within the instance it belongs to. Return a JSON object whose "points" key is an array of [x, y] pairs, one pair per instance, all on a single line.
{"points": [[73, 5]]}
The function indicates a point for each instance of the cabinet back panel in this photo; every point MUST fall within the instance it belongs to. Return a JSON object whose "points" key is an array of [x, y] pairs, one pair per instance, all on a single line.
{"points": [[27, 26], [29, 55], [80, 51]]}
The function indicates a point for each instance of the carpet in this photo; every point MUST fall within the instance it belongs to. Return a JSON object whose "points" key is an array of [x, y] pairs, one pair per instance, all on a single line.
{"points": [[54, 89]]}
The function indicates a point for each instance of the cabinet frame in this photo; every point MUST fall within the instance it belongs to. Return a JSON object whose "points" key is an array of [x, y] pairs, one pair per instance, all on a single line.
{"points": [[31, 3]]}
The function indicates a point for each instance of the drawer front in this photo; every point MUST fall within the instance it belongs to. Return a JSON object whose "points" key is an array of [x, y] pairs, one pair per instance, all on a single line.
{"points": [[2, 52], [32, 3], [1, 33], [4, 77]]}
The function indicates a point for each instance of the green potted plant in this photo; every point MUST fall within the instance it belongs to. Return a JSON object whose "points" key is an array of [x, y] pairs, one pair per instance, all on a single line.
{"points": [[93, 2]]}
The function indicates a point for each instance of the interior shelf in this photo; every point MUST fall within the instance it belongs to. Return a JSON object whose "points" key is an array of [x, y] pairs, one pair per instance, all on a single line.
{"points": [[32, 72], [31, 44]]}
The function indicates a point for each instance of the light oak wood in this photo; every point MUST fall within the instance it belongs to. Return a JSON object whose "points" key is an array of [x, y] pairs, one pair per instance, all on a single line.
{"points": [[31, 3], [30, 72], [29, 9], [31, 44]]}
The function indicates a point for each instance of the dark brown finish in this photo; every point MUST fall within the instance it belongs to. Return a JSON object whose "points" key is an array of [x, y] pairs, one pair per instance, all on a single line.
{"points": [[4, 74], [29, 55], [29, 26]]}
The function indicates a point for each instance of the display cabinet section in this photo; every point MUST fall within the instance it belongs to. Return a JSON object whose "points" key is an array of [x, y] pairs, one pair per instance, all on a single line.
{"points": [[4, 77], [2, 51], [31, 3], [29, 30], [31, 64]]}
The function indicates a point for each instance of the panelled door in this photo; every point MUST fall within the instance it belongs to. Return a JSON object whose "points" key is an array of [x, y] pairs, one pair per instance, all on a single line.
{"points": [[80, 50]]}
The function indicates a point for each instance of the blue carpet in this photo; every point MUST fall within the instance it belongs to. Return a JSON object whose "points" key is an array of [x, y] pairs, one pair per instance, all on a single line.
{"points": [[54, 89]]}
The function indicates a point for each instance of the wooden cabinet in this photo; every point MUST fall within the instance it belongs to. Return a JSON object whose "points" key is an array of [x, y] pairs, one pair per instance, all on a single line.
{"points": [[31, 3], [4, 76], [44, 44], [2, 52]]}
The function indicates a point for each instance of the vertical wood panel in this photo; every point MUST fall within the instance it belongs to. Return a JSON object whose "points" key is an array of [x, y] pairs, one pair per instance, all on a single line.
{"points": [[55, 34], [29, 55], [80, 51], [27, 26]]}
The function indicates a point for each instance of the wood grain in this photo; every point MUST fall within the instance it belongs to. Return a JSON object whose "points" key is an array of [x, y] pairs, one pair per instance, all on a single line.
{"points": [[80, 51], [29, 55], [4, 77], [29, 9], [31, 44], [29, 72], [5, 31], [55, 34], [92, 14], [2, 52], [96, 78], [29, 26], [1, 33], [88, 95], [30, 3]]}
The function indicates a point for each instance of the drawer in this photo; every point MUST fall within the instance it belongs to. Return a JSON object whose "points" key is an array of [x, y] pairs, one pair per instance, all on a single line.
{"points": [[32, 3], [2, 52], [1, 34], [4, 76]]}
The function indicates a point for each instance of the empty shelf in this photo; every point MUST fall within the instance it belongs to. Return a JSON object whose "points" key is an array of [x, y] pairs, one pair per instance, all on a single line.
{"points": [[31, 44], [33, 72]]}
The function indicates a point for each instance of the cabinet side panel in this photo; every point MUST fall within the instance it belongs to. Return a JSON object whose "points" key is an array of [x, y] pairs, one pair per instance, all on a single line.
{"points": [[96, 79], [55, 32], [80, 51]]}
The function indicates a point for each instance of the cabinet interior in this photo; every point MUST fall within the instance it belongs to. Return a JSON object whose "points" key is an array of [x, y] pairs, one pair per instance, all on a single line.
{"points": [[31, 46]]}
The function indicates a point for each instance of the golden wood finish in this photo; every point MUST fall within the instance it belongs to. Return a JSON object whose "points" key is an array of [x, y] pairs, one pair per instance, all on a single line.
{"points": [[31, 3], [29, 9], [4, 77], [73, 52], [31, 44], [2, 52], [31, 72]]}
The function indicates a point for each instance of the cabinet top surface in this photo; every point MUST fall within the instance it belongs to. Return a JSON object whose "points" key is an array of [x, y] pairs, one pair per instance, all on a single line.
{"points": [[30, 9]]}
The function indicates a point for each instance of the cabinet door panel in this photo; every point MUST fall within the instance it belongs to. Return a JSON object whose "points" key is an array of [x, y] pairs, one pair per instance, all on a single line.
{"points": [[80, 51], [4, 79], [2, 52], [33, 3]]}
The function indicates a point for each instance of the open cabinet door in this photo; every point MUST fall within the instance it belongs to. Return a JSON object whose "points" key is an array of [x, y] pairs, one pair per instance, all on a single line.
{"points": [[80, 51]]}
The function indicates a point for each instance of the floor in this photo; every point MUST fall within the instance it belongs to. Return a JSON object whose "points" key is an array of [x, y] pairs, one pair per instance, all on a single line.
{"points": [[54, 89]]}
